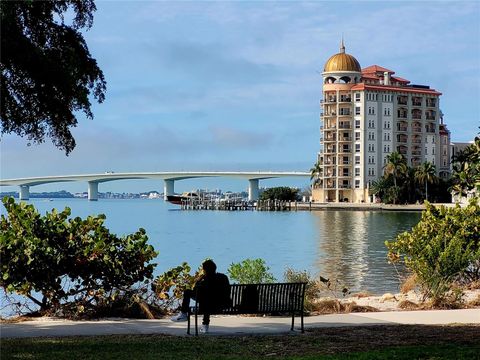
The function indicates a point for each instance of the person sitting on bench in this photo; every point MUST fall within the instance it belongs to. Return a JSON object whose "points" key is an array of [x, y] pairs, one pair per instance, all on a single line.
{"points": [[212, 292]]}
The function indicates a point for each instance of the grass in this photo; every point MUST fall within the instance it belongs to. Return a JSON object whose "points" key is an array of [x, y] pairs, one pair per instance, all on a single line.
{"points": [[372, 342]]}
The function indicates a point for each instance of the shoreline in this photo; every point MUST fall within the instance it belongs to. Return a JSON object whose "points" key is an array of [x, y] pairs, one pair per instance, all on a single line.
{"points": [[366, 206]]}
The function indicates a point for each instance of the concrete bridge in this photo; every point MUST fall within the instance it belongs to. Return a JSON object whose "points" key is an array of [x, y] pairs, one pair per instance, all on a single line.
{"points": [[169, 179]]}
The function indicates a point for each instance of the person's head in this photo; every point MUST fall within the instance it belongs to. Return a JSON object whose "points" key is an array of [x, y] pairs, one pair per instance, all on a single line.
{"points": [[209, 267]]}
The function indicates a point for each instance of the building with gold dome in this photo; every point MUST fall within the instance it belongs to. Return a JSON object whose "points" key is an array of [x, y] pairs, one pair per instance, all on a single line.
{"points": [[366, 115]]}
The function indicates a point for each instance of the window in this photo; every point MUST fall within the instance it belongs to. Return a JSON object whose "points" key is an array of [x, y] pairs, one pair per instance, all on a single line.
{"points": [[346, 160], [357, 110], [357, 160], [384, 148], [357, 171], [357, 124], [357, 136], [345, 172], [346, 148], [357, 96], [357, 184], [357, 147], [426, 151]]}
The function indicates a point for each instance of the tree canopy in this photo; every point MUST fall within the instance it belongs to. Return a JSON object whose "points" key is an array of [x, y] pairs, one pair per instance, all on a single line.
{"points": [[48, 73], [283, 193], [58, 257]]}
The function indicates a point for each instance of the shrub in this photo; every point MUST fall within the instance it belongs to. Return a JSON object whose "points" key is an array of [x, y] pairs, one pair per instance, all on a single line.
{"points": [[251, 271], [65, 259], [441, 250], [283, 193], [312, 290], [170, 285]]}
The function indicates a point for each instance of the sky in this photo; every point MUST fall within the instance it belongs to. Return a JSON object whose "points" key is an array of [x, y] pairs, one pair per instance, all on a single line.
{"points": [[235, 86]]}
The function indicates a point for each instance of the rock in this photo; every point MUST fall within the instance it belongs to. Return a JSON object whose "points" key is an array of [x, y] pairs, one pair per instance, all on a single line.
{"points": [[387, 297]]}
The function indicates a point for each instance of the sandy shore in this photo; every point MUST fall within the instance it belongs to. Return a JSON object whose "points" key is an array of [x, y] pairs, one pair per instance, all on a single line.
{"points": [[390, 302]]}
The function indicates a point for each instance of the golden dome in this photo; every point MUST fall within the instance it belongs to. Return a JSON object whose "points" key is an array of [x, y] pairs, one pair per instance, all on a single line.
{"points": [[342, 62]]}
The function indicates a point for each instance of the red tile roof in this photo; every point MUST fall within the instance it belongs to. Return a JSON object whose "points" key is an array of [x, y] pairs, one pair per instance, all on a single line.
{"points": [[395, 88], [376, 68], [399, 79]]}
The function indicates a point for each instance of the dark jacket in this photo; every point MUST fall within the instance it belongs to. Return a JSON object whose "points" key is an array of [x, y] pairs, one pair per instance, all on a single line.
{"points": [[213, 292]]}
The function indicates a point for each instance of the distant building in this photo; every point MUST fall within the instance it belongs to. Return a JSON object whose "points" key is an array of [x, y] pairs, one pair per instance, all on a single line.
{"points": [[366, 115]]}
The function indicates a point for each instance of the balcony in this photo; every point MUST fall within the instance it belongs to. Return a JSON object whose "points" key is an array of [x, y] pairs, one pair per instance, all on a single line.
{"points": [[402, 115], [346, 139], [344, 99], [416, 141], [344, 126], [330, 114], [402, 139], [402, 100], [416, 152], [344, 186], [430, 130], [330, 100], [401, 128], [430, 117], [402, 150], [417, 129], [431, 103], [345, 112], [344, 150], [416, 101]]}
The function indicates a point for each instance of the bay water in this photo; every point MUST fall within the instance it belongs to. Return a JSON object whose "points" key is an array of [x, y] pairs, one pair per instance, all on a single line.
{"points": [[343, 245]]}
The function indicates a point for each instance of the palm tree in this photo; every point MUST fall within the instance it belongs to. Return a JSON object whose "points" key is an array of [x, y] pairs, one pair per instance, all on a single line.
{"points": [[316, 172], [396, 165], [424, 174]]}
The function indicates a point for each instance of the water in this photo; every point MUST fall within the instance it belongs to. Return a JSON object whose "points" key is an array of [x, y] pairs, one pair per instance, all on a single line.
{"points": [[346, 245]]}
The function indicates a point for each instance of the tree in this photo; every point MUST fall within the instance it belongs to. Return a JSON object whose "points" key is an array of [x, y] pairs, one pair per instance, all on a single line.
{"points": [[62, 258], [315, 173], [396, 165], [380, 187], [466, 169], [283, 193], [442, 249], [425, 174], [47, 70]]}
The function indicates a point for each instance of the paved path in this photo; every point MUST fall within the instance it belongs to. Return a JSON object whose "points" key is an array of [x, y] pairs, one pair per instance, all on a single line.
{"points": [[234, 325]]}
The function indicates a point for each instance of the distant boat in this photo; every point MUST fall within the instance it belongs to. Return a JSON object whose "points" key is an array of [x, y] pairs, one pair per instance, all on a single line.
{"points": [[179, 199]]}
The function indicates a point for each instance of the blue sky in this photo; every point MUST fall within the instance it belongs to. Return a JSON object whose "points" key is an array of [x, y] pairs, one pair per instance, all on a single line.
{"points": [[236, 85]]}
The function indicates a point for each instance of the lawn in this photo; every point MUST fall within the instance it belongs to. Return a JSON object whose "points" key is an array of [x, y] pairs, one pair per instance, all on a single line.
{"points": [[372, 342]]}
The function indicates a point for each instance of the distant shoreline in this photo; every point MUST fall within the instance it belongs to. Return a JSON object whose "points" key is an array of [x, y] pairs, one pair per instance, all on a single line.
{"points": [[364, 206]]}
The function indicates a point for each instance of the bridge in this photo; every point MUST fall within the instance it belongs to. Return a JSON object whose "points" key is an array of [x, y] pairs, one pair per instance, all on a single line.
{"points": [[169, 179]]}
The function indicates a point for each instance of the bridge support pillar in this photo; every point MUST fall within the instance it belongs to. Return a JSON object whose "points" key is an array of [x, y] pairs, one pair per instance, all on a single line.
{"points": [[92, 190], [24, 192], [168, 188], [253, 189]]}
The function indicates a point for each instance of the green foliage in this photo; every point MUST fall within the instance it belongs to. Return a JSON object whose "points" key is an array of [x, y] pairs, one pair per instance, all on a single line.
{"points": [[63, 258], [283, 193], [401, 183], [251, 271], [466, 169], [170, 285], [316, 173], [312, 291], [442, 249], [48, 73]]}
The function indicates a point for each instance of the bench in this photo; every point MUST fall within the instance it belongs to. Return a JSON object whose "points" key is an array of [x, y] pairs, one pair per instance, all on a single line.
{"points": [[260, 299]]}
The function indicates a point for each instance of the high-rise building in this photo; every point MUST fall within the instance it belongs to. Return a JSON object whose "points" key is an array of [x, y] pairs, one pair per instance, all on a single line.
{"points": [[366, 115]]}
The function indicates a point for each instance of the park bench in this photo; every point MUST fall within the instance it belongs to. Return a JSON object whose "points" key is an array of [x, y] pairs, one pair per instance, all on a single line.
{"points": [[259, 299]]}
